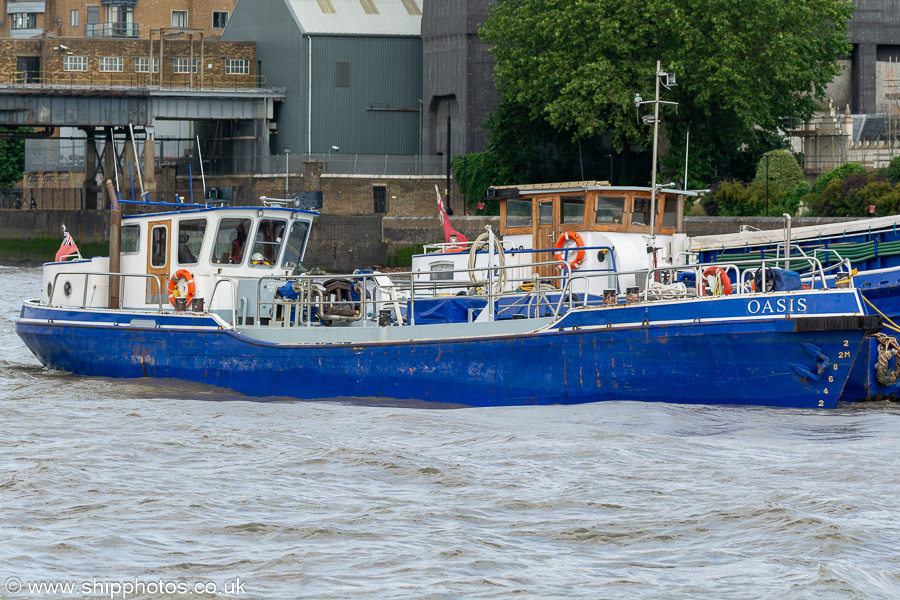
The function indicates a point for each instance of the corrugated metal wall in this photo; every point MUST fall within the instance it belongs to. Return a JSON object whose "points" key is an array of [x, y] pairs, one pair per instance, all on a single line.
{"points": [[376, 113], [378, 110]]}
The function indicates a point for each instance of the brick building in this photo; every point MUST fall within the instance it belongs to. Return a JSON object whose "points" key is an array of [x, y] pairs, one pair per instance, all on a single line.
{"points": [[111, 18]]}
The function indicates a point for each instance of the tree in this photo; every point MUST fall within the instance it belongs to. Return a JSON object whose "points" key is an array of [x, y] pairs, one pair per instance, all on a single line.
{"points": [[781, 170], [746, 68], [12, 160]]}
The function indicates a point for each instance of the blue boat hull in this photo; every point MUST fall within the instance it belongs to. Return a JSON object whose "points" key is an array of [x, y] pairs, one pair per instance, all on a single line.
{"points": [[586, 357]]}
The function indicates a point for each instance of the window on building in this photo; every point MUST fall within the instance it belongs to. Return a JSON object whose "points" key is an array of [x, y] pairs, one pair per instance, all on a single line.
{"points": [[73, 18], [110, 64], [183, 65], [23, 21], [120, 21], [341, 74], [220, 18], [179, 18], [93, 15], [142, 65], [75, 63], [237, 66]]}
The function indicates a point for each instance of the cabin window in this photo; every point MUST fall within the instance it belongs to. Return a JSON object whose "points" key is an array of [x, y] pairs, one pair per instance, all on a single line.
{"points": [[640, 213], [190, 239], [609, 210], [267, 244], [518, 213], [441, 271], [670, 214], [231, 238], [131, 239], [296, 242], [572, 210], [159, 246]]}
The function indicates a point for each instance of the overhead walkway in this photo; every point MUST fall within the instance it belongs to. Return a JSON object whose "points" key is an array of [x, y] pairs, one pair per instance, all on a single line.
{"points": [[107, 110]]}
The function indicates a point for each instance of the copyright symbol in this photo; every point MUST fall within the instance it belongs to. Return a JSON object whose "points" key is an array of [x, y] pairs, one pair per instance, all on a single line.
{"points": [[13, 585]]}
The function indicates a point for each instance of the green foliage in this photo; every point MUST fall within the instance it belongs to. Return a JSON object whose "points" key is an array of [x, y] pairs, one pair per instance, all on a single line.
{"points": [[41, 250], [474, 174], [781, 170], [841, 172], [402, 257], [12, 161], [575, 67], [735, 199], [852, 196], [893, 170]]}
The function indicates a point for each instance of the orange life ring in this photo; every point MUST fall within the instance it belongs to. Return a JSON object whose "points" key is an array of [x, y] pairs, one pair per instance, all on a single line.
{"points": [[709, 272], [173, 285], [561, 241]]}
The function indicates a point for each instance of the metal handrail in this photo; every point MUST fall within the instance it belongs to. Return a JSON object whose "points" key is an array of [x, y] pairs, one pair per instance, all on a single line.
{"points": [[212, 295], [89, 274]]}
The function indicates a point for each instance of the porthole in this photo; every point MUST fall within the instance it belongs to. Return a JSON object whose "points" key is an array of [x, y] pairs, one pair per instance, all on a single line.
{"points": [[49, 290], [67, 289]]}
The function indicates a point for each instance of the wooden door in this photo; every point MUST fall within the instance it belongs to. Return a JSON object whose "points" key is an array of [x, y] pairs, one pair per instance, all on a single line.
{"points": [[158, 238], [546, 229]]}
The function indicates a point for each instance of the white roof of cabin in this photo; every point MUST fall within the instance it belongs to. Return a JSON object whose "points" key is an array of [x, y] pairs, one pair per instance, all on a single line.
{"points": [[358, 17]]}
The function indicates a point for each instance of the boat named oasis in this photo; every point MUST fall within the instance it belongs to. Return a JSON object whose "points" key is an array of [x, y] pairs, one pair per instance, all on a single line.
{"points": [[219, 295]]}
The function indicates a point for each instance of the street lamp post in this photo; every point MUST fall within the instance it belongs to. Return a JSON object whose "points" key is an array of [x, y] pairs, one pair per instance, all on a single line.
{"points": [[767, 183], [287, 170]]}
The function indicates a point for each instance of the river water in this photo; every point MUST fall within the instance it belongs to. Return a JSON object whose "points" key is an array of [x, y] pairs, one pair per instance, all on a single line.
{"points": [[131, 488]]}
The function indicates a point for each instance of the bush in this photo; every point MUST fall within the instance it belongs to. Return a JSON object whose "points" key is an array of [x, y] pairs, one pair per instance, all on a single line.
{"points": [[841, 172], [852, 196], [736, 199], [784, 174], [893, 170]]}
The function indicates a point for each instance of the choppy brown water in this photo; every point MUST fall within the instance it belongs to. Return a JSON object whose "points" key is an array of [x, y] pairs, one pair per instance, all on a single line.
{"points": [[119, 482]]}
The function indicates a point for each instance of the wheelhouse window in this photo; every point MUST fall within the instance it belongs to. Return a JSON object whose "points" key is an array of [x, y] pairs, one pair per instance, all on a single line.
{"points": [[545, 212], [231, 238], [609, 210], [518, 213], [267, 244], [640, 212], [190, 240], [159, 247], [131, 239], [670, 214], [572, 210], [293, 253]]}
